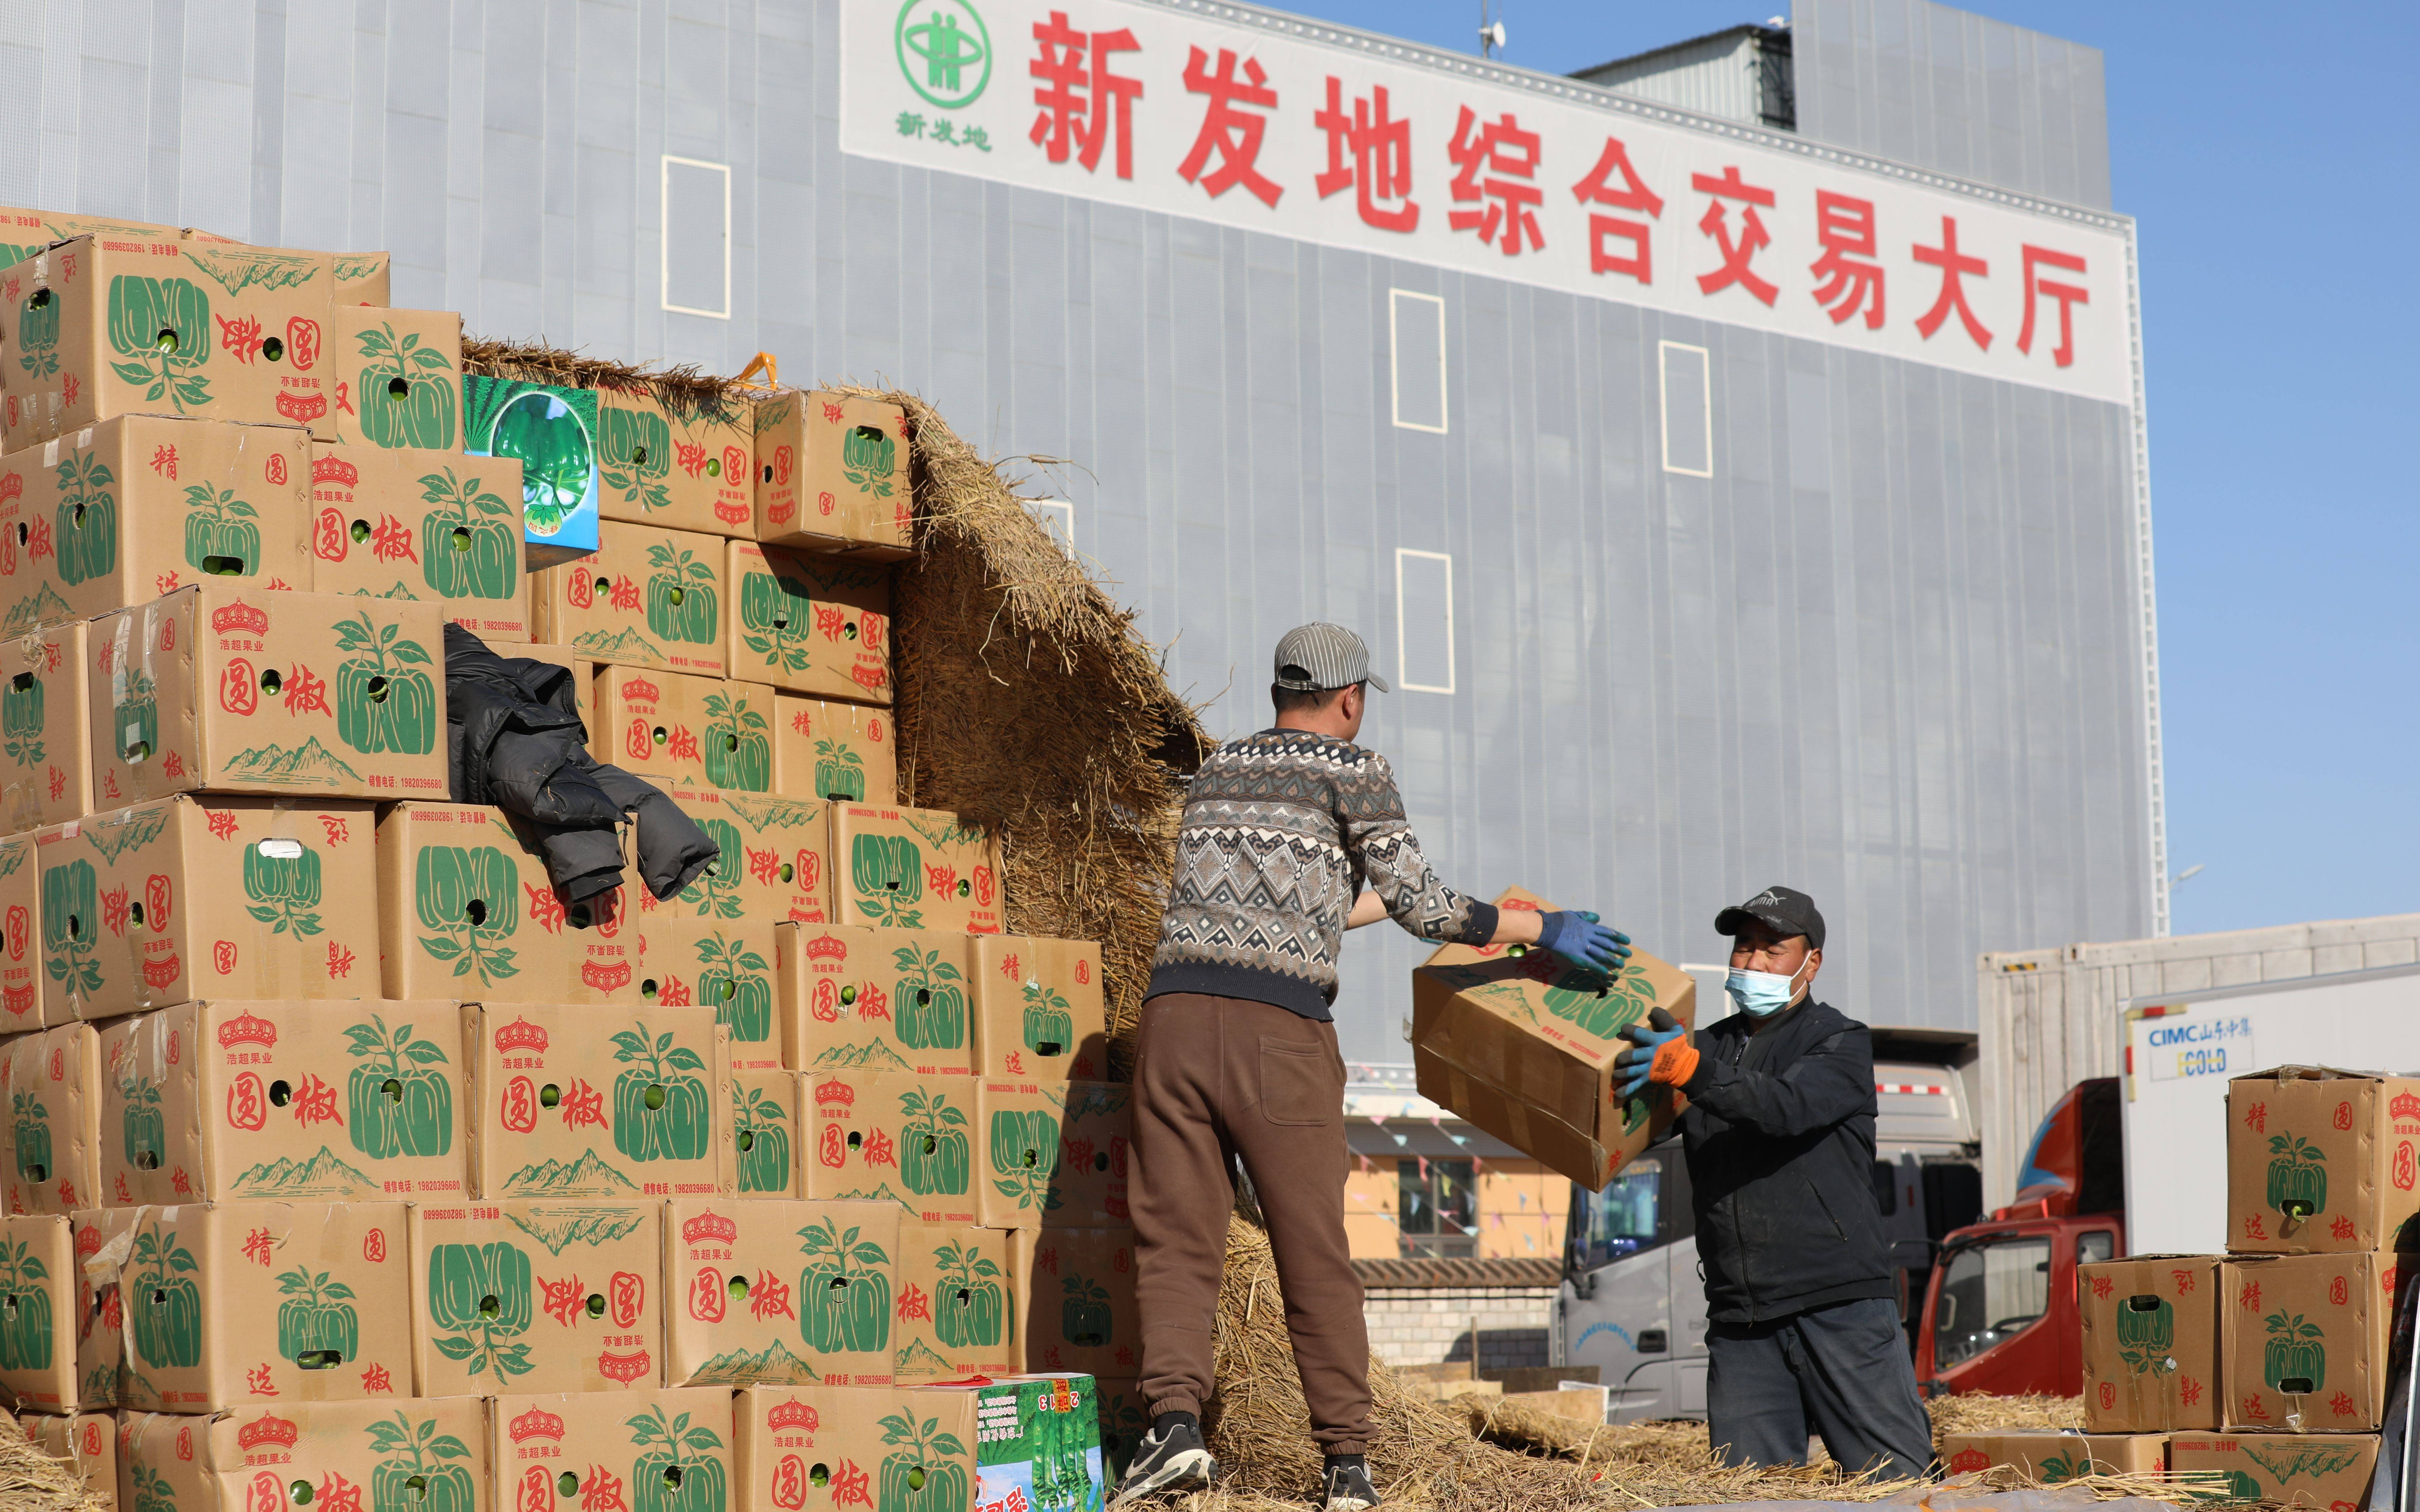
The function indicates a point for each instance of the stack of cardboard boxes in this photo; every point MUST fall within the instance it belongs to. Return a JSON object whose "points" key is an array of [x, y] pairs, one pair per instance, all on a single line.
{"points": [[336, 1142], [2268, 1365]]}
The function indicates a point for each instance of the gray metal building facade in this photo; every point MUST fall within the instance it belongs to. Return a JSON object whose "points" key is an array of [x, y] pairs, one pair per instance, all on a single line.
{"points": [[1895, 650]]}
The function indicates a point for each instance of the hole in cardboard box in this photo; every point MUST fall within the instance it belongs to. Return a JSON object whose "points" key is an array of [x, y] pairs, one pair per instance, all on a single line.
{"points": [[461, 538], [966, 888], [319, 1358], [966, 1298], [676, 594], [490, 1306], [139, 752], [840, 1282], [36, 1172], [604, 587], [597, 1304], [786, 872], [360, 530], [737, 1285], [730, 742], [1049, 1047], [1100, 1160], [673, 1476], [147, 1160], [638, 456], [41, 301], [730, 990], [747, 1140], [819, 1473], [714, 467], [655, 1096], [915, 1477], [166, 340], [854, 1138], [2143, 1302], [273, 348], [2297, 1385], [847, 994], [475, 910], [396, 388], [417, 1485], [1033, 1158], [222, 566], [377, 688], [271, 680], [769, 477], [780, 617], [567, 1484], [660, 734], [302, 1492], [648, 988], [135, 911], [280, 1093], [279, 848], [932, 1146], [549, 1096], [79, 516], [23, 682], [75, 926], [848, 632], [391, 1089]]}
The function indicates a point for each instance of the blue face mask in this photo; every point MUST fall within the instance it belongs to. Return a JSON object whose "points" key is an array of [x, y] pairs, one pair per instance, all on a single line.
{"points": [[1761, 994]]}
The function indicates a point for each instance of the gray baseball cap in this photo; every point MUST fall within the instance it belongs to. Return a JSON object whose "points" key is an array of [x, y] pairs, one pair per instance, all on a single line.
{"points": [[1313, 658]]}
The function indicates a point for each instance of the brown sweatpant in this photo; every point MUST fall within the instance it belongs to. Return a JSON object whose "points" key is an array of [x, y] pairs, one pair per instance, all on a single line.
{"points": [[1221, 1077]]}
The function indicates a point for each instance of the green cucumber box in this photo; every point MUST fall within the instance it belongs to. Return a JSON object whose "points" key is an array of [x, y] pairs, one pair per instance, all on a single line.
{"points": [[1037, 1443], [435, 527], [221, 1102], [551, 432], [38, 1312], [519, 1295], [234, 1304], [310, 1455], [655, 1451], [781, 1292], [853, 998], [53, 1083]]}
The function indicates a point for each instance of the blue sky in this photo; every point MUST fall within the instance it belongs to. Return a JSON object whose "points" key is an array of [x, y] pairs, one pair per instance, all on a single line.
{"points": [[2267, 155]]}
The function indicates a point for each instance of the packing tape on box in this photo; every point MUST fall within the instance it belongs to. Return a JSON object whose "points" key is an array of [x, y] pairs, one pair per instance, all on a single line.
{"points": [[102, 1265]]}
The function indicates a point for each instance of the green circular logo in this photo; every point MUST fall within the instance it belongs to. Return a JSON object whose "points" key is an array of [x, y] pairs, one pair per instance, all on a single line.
{"points": [[944, 50]]}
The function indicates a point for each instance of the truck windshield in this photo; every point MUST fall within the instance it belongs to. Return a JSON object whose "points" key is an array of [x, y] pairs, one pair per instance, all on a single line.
{"points": [[1992, 1292], [1620, 1220]]}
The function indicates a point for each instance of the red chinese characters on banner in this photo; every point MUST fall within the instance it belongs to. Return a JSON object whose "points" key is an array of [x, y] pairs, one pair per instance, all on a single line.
{"points": [[2068, 295], [1379, 148], [1851, 278], [1954, 266], [1738, 253], [1228, 129], [1506, 152], [1633, 194], [1082, 102]]}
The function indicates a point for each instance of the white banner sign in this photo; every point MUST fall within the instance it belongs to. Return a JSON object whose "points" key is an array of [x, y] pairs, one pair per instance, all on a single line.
{"points": [[1242, 124]]}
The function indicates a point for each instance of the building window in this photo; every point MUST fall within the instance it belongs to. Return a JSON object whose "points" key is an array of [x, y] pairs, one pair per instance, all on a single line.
{"points": [[1416, 334], [1057, 516], [1689, 410], [694, 237], [1423, 621], [1437, 1207]]}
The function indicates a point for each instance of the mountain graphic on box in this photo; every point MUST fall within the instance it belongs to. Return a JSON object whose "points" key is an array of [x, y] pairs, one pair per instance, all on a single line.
{"points": [[772, 1366], [880, 1193], [586, 1177], [919, 1359], [878, 1055], [308, 764], [31, 613], [556, 1227], [622, 642], [767, 813], [322, 1176]]}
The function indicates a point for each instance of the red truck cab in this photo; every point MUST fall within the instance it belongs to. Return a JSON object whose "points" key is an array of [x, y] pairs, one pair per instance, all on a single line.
{"points": [[1999, 1310]]}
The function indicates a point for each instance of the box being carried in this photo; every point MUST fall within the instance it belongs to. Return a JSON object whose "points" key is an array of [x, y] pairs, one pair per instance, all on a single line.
{"points": [[2151, 1343], [861, 999], [551, 432], [2051, 1457], [1523, 1046], [417, 1453], [826, 749], [914, 869], [570, 1101], [54, 1085], [43, 717], [831, 474], [2318, 1159], [781, 1292], [434, 526], [809, 625], [576, 1289], [2302, 1341], [645, 597]]}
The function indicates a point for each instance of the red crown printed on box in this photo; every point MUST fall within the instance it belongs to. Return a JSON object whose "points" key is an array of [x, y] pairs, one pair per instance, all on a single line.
{"points": [[709, 1225], [639, 687], [267, 1428], [538, 1423], [247, 1028], [240, 616], [605, 979], [87, 1241], [2405, 1105], [826, 948], [625, 1367], [792, 1415], [835, 1094], [334, 470], [10, 487], [520, 1034]]}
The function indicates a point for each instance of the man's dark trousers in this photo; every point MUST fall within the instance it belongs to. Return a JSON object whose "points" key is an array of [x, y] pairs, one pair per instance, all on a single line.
{"points": [[1841, 1370]]}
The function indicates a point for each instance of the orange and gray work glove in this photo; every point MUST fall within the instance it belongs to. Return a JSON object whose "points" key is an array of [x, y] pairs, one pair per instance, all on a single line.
{"points": [[1661, 1051]]}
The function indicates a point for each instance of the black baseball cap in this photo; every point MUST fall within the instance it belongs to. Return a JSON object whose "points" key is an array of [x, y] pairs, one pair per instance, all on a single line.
{"points": [[1786, 911]]}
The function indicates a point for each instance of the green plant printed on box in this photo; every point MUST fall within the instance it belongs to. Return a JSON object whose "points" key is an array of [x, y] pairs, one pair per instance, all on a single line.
{"points": [[417, 1469], [1085, 1312], [284, 890], [470, 896], [777, 619], [674, 1472], [1022, 1143], [84, 525], [37, 328], [25, 1331], [760, 1133], [635, 455], [22, 719], [971, 1307], [888, 873], [405, 391], [468, 545], [236, 268], [660, 1113], [29, 1125], [2303, 1459], [929, 1000], [933, 1147], [869, 459], [739, 745], [1049, 1030], [399, 1099], [160, 327], [2296, 1352], [140, 1122], [715, 892], [840, 772], [682, 603], [2298, 1176], [927, 1471], [844, 1296], [222, 532], [385, 698], [317, 1325], [1598, 1005], [736, 981], [481, 1301], [2145, 1334], [164, 1306], [71, 926]]}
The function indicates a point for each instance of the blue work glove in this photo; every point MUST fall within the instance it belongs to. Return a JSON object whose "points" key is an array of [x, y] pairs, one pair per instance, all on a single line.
{"points": [[1578, 938], [1636, 1067]]}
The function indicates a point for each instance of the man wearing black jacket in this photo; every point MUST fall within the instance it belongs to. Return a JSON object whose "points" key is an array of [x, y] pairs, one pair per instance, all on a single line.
{"points": [[1779, 1130]]}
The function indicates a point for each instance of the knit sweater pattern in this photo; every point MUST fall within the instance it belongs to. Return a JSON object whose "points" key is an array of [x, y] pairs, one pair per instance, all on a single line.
{"points": [[1282, 831]]}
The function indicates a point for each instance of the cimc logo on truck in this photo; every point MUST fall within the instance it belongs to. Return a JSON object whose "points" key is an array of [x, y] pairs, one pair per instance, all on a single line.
{"points": [[2205, 1047]]}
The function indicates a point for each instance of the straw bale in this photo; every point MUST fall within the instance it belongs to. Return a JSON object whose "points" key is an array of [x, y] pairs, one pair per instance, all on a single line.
{"points": [[32, 1481], [683, 390]]}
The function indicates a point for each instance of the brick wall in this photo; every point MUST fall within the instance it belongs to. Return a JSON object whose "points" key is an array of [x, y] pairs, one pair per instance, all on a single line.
{"points": [[1428, 1326]]}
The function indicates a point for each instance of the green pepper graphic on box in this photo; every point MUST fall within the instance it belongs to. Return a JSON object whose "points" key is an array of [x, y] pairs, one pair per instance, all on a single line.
{"points": [[888, 873], [736, 982], [761, 1134], [844, 1292], [972, 1308], [142, 1125], [2296, 1354], [480, 1303], [635, 455], [2298, 1176], [29, 1125], [682, 600], [22, 719], [385, 698], [739, 745], [927, 1471], [222, 532], [163, 1303], [160, 327], [778, 619], [470, 896], [25, 1333], [659, 1112], [933, 1144], [317, 1319], [2145, 1335], [1024, 1146], [715, 893], [399, 1099], [71, 926], [84, 525], [674, 1472], [405, 390], [470, 545], [417, 1469], [930, 1000], [285, 889], [37, 328]]}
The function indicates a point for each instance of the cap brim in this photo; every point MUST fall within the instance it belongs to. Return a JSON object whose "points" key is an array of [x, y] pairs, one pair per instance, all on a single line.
{"points": [[1379, 682], [1731, 922]]}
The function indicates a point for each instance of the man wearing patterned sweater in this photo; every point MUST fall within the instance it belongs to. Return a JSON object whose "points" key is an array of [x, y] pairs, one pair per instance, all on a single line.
{"points": [[1290, 838]]}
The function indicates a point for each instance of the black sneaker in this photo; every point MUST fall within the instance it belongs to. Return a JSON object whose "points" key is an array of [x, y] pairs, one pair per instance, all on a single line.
{"points": [[1348, 1488], [1171, 1457]]}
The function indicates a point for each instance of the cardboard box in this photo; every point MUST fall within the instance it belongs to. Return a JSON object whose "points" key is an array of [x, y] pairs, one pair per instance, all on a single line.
{"points": [[189, 898], [776, 858], [2053, 1458], [677, 468], [645, 597], [138, 506], [1038, 1009], [1088, 1184], [420, 1453], [552, 433], [1124, 1422], [914, 869], [887, 1136], [795, 1442], [43, 718], [400, 379], [467, 910], [725, 965], [87, 1440], [2151, 1343], [833, 474], [578, 1291], [1018, 1149], [781, 1292], [364, 278], [1037, 1442], [2321, 1160], [856, 999], [583, 1101], [767, 1135], [22, 997], [1077, 1299], [228, 689], [826, 749], [57, 1104], [433, 526], [1523, 1047], [658, 1451], [38, 1312], [25, 231], [812, 624], [111, 327], [100, 1305], [957, 1304], [2302, 1341], [679, 731], [225, 1102], [2330, 1470], [237, 1303]]}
